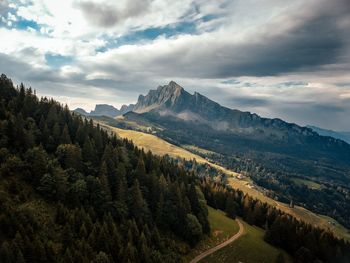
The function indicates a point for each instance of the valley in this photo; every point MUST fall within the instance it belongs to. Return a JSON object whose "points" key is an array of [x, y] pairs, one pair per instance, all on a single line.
{"points": [[158, 146], [275, 155]]}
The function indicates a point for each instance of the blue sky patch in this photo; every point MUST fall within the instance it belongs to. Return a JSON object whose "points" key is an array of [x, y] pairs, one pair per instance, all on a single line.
{"points": [[208, 18], [292, 84], [57, 61], [24, 24], [150, 34], [230, 81]]}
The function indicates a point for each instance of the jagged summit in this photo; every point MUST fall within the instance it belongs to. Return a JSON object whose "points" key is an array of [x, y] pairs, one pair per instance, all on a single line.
{"points": [[166, 95], [105, 109], [100, 110]]}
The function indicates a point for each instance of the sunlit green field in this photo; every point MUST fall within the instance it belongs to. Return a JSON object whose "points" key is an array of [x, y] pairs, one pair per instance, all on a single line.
{"points": [[250, 248], [308, 183], [222, 228]]}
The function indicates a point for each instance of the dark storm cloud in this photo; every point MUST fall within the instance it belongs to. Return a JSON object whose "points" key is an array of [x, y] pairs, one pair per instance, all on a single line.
{"points": [[316, 42], [325, 115], [330, 109], [23, 71], [106, 15], [302, 41], [249, 102], [292, 83], [51, 82]]}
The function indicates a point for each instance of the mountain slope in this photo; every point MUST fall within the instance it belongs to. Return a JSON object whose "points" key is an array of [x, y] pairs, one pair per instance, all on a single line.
{"points": [[70, 192], [345, 136], [173, 100], [271, 151], [170, 105], [105, 110], [160, 147]]}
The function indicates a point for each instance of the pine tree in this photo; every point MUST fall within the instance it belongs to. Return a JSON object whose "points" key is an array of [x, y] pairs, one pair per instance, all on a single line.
{"points": [[130, 253], [39, 251], [65, 137], [143, 249], [89, 154], [139, 209], [231, 207], [6, 255], [102, 257], [69, 156], [280, 258], [103, 176], [68, 258], [193, 229], [37, 160], [19, 257], [56, 133]]}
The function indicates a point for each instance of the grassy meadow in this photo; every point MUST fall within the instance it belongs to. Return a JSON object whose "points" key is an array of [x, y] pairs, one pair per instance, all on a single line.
{"points": [[250, 248]]}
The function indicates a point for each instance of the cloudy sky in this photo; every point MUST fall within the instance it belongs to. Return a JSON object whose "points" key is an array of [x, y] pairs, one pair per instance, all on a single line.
{"points": [[285, 59]]}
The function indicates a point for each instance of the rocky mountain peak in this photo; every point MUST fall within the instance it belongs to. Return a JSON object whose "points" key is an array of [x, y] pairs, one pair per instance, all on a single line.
{"points": [[166, 95], [105, 109], [126, 108]]}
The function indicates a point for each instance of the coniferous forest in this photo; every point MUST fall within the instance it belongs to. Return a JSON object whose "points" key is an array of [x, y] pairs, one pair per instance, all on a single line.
{"points": [[71, 192]]}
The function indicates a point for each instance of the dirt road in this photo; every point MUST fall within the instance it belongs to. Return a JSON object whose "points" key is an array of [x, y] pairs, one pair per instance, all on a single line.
{"points": [[224, 244]]}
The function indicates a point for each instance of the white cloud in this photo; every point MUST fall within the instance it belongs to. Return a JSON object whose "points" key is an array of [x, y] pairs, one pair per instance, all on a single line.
{"points": [[260, 43], [11, 17]]}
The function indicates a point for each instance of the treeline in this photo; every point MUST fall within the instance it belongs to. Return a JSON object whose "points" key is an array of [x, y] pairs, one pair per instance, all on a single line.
{"points": [[271, 164], [304, 242], [332, 199], [70, 192]]}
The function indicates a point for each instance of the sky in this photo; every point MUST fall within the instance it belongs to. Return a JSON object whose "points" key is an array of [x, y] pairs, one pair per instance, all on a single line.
{"points": [[280, 59]]}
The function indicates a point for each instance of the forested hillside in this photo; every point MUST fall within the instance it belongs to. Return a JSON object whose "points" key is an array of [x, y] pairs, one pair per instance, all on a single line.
{"points": [[71, 192], [304, 242]]}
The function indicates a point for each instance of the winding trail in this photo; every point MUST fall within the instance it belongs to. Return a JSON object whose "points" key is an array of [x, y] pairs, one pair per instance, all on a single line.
{"points": [[223, 244]]}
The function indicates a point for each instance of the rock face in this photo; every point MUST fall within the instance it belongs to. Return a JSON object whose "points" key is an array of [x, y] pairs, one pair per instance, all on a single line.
{"points": [[163, 97], [126, 108], [105, 110], [345, 136], [193, 119], [172, 100], [100, 110], [81, 111]]}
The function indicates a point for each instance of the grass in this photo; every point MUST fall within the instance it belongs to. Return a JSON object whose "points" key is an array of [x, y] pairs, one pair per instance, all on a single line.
{"points": [[338, 228], [160, 147], [222, 228], [156, 145], [193, 148], [298, 211], [308, 183], [250, 248]]}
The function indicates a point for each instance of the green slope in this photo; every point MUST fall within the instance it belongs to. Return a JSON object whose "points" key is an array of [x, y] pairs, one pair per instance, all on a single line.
{"points": [[250, 248]]}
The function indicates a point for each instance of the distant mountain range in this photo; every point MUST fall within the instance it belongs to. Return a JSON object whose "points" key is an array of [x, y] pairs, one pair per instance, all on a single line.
{"points": [[184, 118], [345, 136], [106, 110]]}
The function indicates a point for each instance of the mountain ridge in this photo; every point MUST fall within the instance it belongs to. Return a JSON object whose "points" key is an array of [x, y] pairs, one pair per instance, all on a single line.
{"points": [[341, 135], [200, 109], [274, 153], [106, 110]]}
